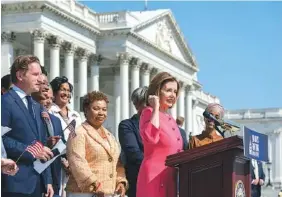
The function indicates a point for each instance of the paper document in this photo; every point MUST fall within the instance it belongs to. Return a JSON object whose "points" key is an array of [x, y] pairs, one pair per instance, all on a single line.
{"points": [[4, 130], [58, 150]]}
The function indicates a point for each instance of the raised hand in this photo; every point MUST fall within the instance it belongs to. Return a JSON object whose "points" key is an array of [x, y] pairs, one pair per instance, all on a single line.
{"points": [[154, 102]]}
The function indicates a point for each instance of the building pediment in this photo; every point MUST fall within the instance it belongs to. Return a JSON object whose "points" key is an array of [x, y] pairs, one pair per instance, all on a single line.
{"points": [[163, 31]]}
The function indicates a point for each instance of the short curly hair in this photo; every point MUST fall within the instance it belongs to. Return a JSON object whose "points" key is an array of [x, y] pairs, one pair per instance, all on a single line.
{"points": [[91, 97]]}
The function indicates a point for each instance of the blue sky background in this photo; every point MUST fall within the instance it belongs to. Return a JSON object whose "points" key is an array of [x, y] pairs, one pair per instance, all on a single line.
{"points": [[238, 46]]}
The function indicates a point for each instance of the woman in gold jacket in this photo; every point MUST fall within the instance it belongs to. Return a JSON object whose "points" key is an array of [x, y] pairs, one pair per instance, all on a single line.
{"points": [[93, 154]]}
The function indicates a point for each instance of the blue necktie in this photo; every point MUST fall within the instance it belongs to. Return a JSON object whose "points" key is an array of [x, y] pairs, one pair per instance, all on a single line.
{"points": [[29, 106]]}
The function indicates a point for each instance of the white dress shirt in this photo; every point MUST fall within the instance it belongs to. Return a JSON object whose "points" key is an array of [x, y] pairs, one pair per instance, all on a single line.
{"points": [[256, 170], [55, 110], [21, 94], [3, 151]]}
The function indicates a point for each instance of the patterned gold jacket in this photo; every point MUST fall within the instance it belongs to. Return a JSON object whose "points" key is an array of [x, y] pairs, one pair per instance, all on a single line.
{"points": [[92, 158]]}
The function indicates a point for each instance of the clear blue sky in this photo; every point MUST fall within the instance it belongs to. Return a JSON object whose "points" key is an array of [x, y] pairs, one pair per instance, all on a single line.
{"points": [[238, 47]]}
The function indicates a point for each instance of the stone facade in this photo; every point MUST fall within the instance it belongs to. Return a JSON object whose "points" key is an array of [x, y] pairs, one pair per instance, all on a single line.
{"points": [[113, 52]]}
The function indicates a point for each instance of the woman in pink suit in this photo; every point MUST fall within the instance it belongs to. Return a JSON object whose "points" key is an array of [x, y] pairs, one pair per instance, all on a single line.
{"points": [[161, 137]]}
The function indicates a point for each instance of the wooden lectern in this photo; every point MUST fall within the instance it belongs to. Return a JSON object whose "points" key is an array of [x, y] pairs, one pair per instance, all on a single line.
{"points": [[214, 170]]}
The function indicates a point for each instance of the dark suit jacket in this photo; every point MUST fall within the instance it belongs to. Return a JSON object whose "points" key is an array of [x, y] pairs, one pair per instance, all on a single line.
{"points": [[56, 166], [184, 138], [256, 189], [132, 147], [15, 115]]}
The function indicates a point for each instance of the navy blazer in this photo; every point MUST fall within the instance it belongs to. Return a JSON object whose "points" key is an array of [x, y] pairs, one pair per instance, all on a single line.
{"points": [[130, 140], [256, 189], [15, 115], [56, 166], [132, 147]]}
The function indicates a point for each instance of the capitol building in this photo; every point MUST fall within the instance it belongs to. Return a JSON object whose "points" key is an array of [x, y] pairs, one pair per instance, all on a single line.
{"points": [[112, 52], [116, 52]]}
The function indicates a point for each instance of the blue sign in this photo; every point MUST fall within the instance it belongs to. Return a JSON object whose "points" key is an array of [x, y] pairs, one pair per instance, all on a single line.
{"points": [[255, 145]]}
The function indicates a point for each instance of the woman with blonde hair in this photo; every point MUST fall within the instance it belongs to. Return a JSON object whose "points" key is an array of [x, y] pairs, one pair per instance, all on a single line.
{"points": [[93, 154], [161, 137]]}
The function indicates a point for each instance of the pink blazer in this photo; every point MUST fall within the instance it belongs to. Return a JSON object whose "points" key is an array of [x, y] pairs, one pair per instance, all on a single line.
{"points": [[155, 179]]}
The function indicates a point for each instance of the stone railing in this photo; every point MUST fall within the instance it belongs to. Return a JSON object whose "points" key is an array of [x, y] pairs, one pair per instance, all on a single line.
{"points": [[77, 9], [112, 17], [102, 20], [205, 97], [254, 113]]}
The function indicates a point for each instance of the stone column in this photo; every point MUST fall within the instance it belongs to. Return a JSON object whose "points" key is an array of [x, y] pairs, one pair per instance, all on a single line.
{"points": [[195, 130], [154, 72], [21, 52], [82, 73], [277, 159], [7, 52], [76, 85], [135, 80], [38, 44], [124, 81], [117, 108], [189, 114], [145, 74], [95, 62], [270, 157], [55, 44], [181, 103], [68, 71]]}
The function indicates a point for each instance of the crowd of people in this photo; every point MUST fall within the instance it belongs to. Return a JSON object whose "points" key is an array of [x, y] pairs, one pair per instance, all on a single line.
{"points": [[93, 163]]}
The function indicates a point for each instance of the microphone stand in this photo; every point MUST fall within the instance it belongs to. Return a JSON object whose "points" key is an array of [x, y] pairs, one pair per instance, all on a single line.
{"points": [[221, 132]]}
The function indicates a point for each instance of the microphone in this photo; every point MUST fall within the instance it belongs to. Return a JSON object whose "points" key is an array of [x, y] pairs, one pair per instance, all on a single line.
{"points": [[209, 116], [223, 124]]}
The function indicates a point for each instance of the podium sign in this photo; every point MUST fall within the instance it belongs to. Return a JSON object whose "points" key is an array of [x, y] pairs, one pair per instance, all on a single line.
{"points": [[255, 145]]}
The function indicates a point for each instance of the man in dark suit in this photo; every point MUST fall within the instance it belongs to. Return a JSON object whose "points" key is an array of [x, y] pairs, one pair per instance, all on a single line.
{"points": [[131, 142], [258, 177], [180, 121], [5, 83], [20, 113], [53, 127]]}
